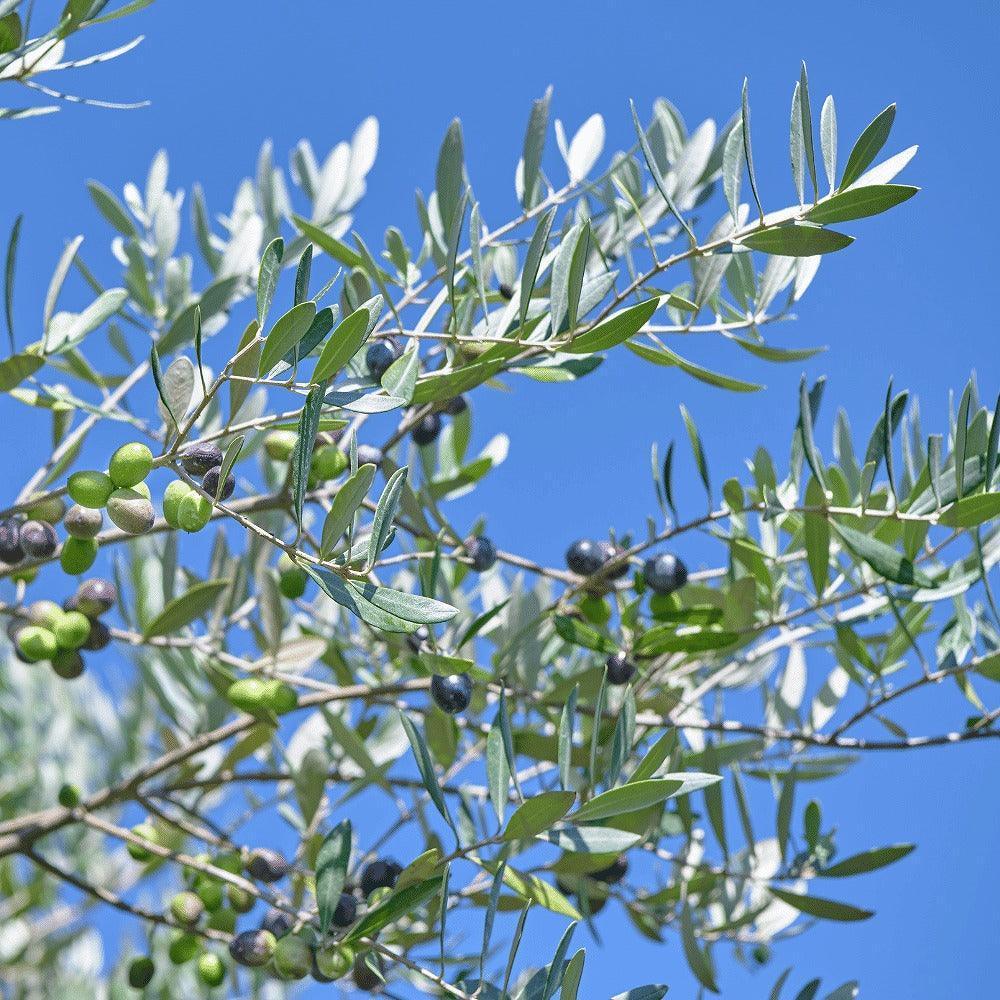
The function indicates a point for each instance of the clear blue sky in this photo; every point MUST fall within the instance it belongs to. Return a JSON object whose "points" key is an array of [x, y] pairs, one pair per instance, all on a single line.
{"points": [[904, 301]]}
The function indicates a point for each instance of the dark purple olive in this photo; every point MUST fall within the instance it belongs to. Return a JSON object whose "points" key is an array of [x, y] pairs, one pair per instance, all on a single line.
{"points": [[94, 597], [267, 865], [456, 405], [345, 911], [620, 668], [379, 874], [199, 458], [38, 539], [364, 977], [665, 573], [277, 922], [426, 430], [99, 636], [379, 357], [252, 948], [210, 484], [506, 292], [614, 872], [452, 693], [11, 551], [610, 551], [482, 552], [584, 557]]}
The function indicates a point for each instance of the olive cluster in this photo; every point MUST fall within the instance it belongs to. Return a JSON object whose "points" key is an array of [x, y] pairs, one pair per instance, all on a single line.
{"points": [[122, 491], [32, 536], [60, 635], [328, 459], [278, 944], [183, 506]]}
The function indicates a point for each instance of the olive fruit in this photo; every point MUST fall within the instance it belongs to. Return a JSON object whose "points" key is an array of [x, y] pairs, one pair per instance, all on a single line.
{"points": [[505, 290], [140, 972], [366, 978], [610, 551], [665, 573], [130, 465], [83, 522], [100, 636], [187, 908], [45, 613], [293, 958], [94, 597], [175, 492], [345, 911], [10, 542], [131, 511], [68, 664], [416, 639], [451, 693], [147, 832], [267, 866], [328, 462], [51, 509], [292, 578], [368, 454], [194, 512], [37, 643], [254, 695], [252, 948], [183, 947], [199, 458], [277, 922], [210, 892], [239, 899], [426, 429], [71, 630], [211, 969], [69, 796], [613, 873], [38, 539], [222, 920], [90, 488], [334, 961], [210, 484], [379, 874], [78, 555], [482, 552], [584, 557], [620, 668], [379, 356], [456, 405], [279, 445]]}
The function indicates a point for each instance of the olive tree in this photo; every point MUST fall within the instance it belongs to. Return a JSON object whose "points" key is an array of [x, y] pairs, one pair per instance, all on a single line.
{"points": [[277, 616]]}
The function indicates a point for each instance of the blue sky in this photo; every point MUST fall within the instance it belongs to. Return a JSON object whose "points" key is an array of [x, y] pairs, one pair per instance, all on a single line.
{"points": [[904, 301]]}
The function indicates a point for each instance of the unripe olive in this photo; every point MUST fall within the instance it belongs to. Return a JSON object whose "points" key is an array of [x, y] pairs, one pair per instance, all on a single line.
{"points": [[239, 899], [78, 555], [37, 643], [94, 597], [68, 664], [293, 958], [147, 832], [71, 630], [83, 522], [222, 920], [183, 947], [38, 539], [45, 613], [292, 578], [131, 511], [10, 542], [252, 948], [335, 960], [90, 488], [130, 464], [140, 972], [194, 512], [230, 861], [211, 969], [267, 865], [328, 462], [187, 908], [50, 509], [210, 484], [69, 796], [210, 892], [143, 490], [175, 492], [254, 695], [279, 445], [199, 458]]}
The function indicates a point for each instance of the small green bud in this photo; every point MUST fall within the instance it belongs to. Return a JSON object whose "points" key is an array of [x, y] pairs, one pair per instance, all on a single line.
{"points": [[211, 969], [69, 796], [140, 972], [90, 488], [131, 511], [292, 578], [130, 464], [72, 630], [37, 643], [83, 522], [78, 555], [230, 861]]}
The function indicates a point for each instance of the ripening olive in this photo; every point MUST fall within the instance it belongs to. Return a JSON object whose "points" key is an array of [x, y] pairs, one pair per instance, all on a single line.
{"points": [[130, 465]]}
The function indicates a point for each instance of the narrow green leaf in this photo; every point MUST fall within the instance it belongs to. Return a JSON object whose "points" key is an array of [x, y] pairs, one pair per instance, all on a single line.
{"points": [[285, 334], [532, 261], [267, 278], [882, 558], [868, 146], [664, 356], [747, 145], [9, 270], [614, 330], [538, 814], [868, 861], [302, 453], [828, 139], [346, 340], [425, 765], [331, 871], [567, 722], [860, 202], [625, 799], [385, 512], [807, 129], [194, 603], [825, 909], [534, 145], [400, 904], [795, 239], [345, 504]]}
